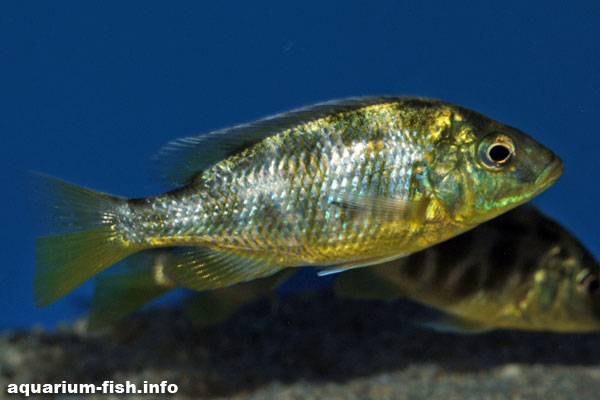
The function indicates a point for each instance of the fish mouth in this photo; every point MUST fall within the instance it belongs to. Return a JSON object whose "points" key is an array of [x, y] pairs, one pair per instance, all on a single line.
{"points": [[550, 174]]}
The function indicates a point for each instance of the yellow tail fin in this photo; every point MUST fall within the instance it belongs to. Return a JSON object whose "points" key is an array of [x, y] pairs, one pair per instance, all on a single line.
{"points": [[66, 260]]}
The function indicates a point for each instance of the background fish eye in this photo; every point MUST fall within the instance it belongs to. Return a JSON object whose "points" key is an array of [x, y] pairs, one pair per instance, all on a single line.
{"points": [[590, 285], [496, 151]]}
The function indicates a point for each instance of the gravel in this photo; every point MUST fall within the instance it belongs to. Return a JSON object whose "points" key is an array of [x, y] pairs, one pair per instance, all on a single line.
{"points": [[308, 346]]}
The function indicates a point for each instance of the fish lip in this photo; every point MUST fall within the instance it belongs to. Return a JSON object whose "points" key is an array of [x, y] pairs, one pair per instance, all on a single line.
{"points": [[551, 173]]}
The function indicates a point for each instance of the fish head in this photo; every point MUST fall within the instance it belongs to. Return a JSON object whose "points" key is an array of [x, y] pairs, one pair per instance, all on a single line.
{"points": [[484, 168], [577, 300], [564, 290], [584, 306]]}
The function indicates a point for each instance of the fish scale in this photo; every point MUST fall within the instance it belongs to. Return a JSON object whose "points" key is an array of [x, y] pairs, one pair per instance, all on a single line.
{"points": [[311, 175]]}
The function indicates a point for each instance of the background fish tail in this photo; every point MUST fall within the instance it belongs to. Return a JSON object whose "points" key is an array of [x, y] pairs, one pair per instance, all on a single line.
{"points": [[66, 260], [118, 295]]}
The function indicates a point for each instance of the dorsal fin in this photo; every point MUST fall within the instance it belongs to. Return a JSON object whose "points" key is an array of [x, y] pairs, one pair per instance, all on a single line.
{"points": [[181, 160]]}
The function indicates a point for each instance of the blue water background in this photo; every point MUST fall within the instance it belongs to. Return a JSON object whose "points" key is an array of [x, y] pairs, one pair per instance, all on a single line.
{"points": [[90, 90]]}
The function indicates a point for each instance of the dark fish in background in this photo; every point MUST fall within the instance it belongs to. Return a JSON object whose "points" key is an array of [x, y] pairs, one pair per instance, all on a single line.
{"points": [[521, 270], [340, 185]]}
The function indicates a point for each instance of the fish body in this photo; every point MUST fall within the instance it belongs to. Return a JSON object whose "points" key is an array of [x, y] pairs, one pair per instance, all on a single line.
{"points": [[342, 185], [521, 270]]}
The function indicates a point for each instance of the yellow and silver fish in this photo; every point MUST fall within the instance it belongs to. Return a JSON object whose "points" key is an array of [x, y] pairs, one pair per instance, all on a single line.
{"points": [[341, 185], [521, 270]]}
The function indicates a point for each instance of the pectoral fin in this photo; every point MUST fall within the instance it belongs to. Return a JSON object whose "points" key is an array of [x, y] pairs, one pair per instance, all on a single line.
{"points": [[375, 203]]}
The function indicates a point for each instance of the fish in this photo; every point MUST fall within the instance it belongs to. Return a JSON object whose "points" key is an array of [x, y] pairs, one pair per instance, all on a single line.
{"points": [[521, 271], [337, 185]]}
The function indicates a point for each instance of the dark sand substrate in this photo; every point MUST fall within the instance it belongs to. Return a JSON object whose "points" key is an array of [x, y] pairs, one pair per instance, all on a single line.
{"points": [[308, 346]]}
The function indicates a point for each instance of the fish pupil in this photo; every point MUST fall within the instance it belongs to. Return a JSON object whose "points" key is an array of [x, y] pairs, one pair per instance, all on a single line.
{"points": [[499, 153]]}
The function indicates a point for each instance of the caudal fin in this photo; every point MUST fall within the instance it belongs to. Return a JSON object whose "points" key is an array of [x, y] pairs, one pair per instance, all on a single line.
{"points": [[66, 260]]}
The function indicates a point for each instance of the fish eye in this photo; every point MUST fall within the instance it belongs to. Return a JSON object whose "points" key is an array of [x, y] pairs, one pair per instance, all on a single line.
{"points": [[496, 151], [590, 284]]}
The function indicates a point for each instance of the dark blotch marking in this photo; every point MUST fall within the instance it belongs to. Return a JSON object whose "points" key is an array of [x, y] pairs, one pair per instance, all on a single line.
{"points": [[414, 266], [502, 261], [451, 254], [468, 282]]}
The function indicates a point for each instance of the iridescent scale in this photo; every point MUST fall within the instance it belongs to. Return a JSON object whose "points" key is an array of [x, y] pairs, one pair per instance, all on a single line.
{"points": [[279, 197]]}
